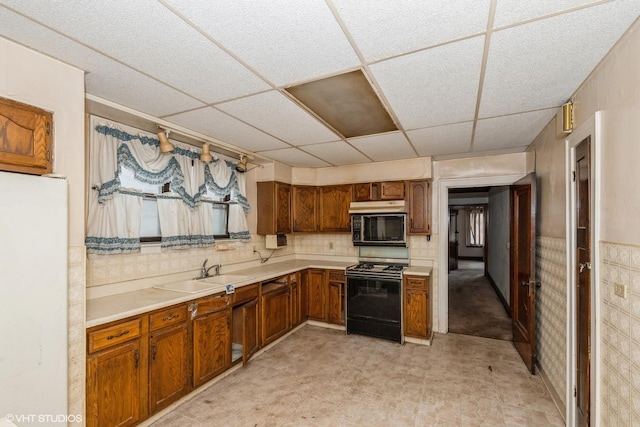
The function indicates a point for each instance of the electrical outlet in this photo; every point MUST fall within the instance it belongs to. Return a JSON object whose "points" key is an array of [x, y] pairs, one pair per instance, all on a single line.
{"points": [[620, 290]]}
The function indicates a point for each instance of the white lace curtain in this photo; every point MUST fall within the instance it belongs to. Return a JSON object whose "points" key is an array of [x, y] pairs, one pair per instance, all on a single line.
{"points": [[185, 214]]}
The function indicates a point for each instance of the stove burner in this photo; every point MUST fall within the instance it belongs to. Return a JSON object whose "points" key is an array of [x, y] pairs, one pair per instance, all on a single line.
{"points": [[394, 268]]}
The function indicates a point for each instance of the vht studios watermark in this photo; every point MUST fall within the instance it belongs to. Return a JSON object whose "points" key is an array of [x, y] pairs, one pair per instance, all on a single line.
{"points": [[44, 418]]}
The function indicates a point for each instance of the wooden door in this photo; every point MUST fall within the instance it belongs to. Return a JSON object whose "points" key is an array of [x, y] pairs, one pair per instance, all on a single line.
{"points": [[419, 200], [335, 309], [211, 345], [583, 282], [305, 208], [274, 309], [168, 360], [283, 208], [304, 295], [415, 312], [316, 285], [392, 190], [249, 330], [295, 304], [523, 263], [113, 386]]}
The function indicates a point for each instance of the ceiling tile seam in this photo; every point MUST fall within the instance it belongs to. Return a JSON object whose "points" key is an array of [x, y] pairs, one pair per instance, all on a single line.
{"points": [[552, 15], [483, 69], [217, 43], [299, 149], [519, 112], [99, 52], [312, 113]]}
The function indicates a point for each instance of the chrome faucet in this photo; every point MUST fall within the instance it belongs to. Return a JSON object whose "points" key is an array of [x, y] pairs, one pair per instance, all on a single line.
{"points": [[204, 271]]}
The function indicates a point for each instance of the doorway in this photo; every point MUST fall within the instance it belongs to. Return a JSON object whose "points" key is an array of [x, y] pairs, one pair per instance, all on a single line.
{"points": [[477, 304]]}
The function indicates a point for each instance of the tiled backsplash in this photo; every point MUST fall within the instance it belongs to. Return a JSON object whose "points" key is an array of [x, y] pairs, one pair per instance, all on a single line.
{"points": [[620, 328], [551, 319]]}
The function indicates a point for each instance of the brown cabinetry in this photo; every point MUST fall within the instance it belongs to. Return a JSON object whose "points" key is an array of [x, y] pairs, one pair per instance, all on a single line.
{"points": [[334, 208], [25, 138], [274, 207], [274, 307], [168, 356], [326, 295], [305, 208], [419, 207], [303, 295], [392, 190], [113, 375], [363, 192], [417, 313], [244, 325], [211, 337]]}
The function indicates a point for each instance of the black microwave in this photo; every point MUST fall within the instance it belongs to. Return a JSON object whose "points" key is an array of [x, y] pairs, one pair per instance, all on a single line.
{"points": [[379, 229]]}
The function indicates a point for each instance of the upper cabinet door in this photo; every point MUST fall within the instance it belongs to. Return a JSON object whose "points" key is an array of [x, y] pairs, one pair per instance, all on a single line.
{"points": [[283, 208], [334, 208], [274, 207], [25, 138], [305, 208], [363, 192], [419, 200], [392, 190]]}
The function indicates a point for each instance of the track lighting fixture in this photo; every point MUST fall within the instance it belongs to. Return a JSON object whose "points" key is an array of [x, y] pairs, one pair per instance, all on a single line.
{"points": [[206, 155], [242, 164], [165, 145]]}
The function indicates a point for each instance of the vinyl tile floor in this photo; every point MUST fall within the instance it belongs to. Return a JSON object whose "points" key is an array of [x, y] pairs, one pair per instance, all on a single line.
{"points": [[323, 377]]}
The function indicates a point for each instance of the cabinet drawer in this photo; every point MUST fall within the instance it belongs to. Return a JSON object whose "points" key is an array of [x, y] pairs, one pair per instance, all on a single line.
{"points": [[336, 276], [212, 304], [417, 282], [166, 317], [245, 293], [113, 335]]}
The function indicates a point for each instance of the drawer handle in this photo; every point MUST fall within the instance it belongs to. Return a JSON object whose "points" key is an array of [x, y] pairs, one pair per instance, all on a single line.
{"points": [[110, 337], [166, 319]]}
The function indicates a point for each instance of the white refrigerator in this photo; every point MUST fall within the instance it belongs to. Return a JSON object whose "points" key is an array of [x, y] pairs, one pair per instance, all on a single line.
{"points": [[33, 298]]}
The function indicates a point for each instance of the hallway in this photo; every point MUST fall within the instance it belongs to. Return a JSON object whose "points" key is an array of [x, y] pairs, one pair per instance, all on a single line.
{"points": [[323, 377], [474, 307]]}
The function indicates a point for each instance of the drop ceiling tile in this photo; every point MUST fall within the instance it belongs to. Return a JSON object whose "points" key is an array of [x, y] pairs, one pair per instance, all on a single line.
{"points": [[518, 130], [433, 87], [513, 11], [104, 76], [285, 41], [150, 38], [337, 153], [540, 64], [296, 158], [442, 140], [277, 115], [388, 146], [216, 124], [383, 29]]}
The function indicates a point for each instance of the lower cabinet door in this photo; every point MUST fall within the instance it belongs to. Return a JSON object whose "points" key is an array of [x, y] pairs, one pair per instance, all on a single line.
{"points": [[211, 345], [249, 330], [275, 315], [416, 313], [168, 366], [113, 386], [334, 297]]}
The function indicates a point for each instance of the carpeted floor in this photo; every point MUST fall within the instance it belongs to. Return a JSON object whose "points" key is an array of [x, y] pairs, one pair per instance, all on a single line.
{"points": [[474, 307]]}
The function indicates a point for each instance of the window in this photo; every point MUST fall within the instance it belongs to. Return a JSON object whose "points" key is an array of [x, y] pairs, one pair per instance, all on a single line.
{"points": [[475, 227], [150, 224]]}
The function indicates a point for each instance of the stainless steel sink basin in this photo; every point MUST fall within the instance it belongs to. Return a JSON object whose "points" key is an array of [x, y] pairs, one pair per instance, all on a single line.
{"points": [[225, 279], [189, 286]]}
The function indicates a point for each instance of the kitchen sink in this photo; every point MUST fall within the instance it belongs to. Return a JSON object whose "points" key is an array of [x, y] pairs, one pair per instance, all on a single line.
{"points": [[224, 279], [189, 286]]}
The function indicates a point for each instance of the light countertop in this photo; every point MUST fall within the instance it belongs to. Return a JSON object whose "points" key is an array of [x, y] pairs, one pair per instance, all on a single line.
{"points": [[115, 307], [417, 271]]}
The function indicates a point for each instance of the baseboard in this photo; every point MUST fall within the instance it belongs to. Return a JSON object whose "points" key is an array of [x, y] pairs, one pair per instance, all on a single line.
{"points": [[554, 394], [500, 296]]}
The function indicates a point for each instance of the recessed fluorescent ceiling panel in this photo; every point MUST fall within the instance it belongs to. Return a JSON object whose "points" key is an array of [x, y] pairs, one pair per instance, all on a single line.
{"points": [[347, 103]]}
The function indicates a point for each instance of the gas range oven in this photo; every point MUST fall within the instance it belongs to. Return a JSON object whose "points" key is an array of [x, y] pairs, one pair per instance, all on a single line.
{"points": [[374, 299]]}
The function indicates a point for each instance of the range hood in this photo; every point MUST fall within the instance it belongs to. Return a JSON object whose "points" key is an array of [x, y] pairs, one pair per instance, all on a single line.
{"points": [[382, 206]]}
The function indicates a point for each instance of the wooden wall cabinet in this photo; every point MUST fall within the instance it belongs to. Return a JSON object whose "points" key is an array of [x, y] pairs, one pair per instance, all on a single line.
{"points": [[113, 374], [417, 313], [392, 190], [211, 337], [274, 309], [305, 208], [363, 192], [334, 207], [168, 357], [274, 207], [419, 207], [25, 138]]}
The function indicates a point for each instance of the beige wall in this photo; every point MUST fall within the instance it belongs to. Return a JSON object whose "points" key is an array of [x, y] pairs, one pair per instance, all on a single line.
{"points": [[35, 79], [614, 89]]}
